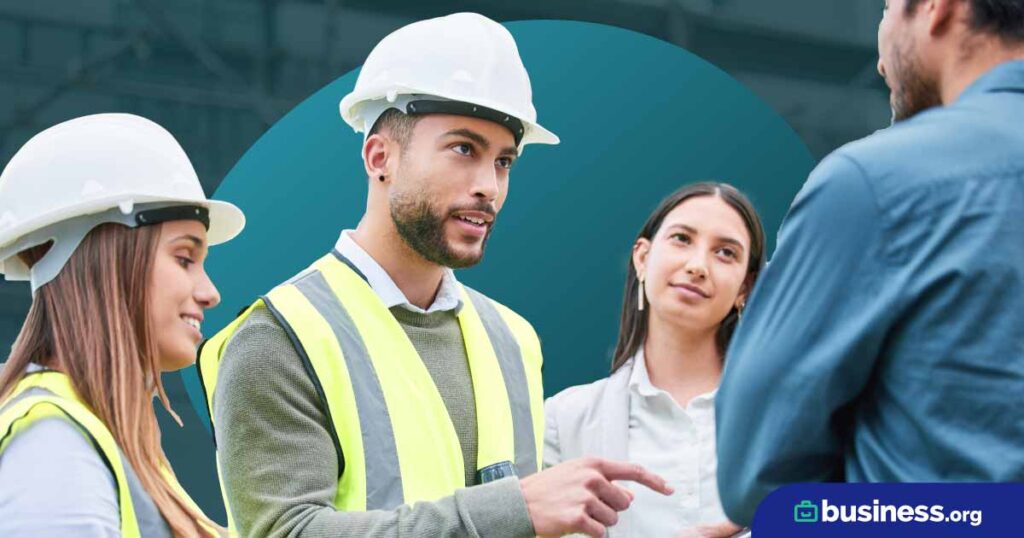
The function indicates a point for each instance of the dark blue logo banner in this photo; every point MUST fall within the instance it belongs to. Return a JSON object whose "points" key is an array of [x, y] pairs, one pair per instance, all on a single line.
{"points": [[898, 510]]}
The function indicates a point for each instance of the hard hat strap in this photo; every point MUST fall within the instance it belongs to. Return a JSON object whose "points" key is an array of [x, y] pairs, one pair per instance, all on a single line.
{"points": [[371, 111], [178, 212], [460, 108]]}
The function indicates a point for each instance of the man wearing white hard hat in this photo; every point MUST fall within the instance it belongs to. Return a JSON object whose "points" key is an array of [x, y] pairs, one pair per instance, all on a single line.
{"points": [[106, 218], [374, 395]]}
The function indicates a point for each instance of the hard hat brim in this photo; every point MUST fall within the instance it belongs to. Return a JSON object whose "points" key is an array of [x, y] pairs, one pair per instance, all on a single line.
{"points": [[226, 222], [351, 110], [226, 219], [536, 134]]}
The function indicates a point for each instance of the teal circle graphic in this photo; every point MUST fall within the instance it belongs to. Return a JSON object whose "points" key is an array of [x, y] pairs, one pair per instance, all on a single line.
{"points": [[638, 118]]}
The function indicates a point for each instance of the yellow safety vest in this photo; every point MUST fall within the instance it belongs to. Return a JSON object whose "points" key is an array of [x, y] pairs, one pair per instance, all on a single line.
{"points": [[59, 399], [396, 443]]}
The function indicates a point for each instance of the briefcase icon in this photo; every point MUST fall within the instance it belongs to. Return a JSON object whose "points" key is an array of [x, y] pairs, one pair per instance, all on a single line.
{"points": [[805, 512]]}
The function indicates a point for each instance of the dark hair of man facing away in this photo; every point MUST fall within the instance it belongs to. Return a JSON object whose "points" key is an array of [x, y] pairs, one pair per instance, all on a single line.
{"points": [[1001, 18]]}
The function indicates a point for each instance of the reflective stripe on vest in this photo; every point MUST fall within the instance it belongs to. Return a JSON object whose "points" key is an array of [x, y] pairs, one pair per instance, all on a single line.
{"points": [[379, 395], [59, 399]]}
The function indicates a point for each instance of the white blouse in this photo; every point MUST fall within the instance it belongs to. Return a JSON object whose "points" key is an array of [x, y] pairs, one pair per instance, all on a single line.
{"points": [[677, 443]]}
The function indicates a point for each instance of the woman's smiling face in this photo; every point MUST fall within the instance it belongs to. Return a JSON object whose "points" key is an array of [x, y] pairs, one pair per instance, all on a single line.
{"points": [[180, 291], [695, 266]]}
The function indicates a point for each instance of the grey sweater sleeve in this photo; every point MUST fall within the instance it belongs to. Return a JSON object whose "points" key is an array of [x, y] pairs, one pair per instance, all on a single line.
{"points": [[280, 467]]}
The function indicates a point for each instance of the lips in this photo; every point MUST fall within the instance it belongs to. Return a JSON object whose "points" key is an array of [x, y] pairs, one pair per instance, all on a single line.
{"points": [[194, 322], [480, 218], [693, 289], [474, 224], [472, 220]]}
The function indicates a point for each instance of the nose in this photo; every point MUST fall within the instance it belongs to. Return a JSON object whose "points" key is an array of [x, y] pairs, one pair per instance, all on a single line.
{"points": [[206, 293], [485, 184], [881, 67], [696, 266]]}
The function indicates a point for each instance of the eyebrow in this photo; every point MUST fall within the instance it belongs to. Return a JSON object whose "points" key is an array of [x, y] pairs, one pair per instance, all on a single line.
{"points": [[195, 240], [722, 238], [482, 141]]}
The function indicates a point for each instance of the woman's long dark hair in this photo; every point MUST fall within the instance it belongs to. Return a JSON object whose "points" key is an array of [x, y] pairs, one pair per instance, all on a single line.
{"points": [[633, 323]]}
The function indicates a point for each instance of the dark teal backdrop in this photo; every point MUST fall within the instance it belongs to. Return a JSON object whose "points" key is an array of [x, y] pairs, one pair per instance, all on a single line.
{"points": [[638, 118]]}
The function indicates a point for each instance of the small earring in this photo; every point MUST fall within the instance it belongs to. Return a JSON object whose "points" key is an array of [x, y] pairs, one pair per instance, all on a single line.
{"points": [[640, 296], [381, 179], [739, 310]]}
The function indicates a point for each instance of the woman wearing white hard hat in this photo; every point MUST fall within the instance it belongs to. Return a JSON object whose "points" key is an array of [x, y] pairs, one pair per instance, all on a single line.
{"points": [[105, 216]]}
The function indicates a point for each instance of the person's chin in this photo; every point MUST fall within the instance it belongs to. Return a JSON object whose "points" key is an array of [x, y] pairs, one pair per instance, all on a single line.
{"points": [[688, 313], [465, 260], [183, 356], [466, 250]]}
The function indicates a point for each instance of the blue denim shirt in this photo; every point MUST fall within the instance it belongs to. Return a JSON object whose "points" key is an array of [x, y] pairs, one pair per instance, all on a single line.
{"points": [[885, 340]]}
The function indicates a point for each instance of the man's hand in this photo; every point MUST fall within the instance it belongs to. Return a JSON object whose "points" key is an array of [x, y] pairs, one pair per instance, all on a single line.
{"points": [[579, 496]]}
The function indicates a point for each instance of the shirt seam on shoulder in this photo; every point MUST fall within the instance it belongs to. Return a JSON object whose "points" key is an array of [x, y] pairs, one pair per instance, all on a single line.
{"points": [[884, 257]]}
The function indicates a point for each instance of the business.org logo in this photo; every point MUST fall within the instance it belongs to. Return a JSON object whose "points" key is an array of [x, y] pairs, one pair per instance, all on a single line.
{"points": [[808, 512]]}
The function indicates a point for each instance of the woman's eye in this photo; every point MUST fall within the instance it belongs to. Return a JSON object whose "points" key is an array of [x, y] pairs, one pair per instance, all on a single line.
{"points": [[682, 237], [463, 149], [728, 253], [184, 261]]}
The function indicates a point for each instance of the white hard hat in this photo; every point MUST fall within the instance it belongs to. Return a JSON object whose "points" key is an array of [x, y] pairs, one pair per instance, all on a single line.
{"points": [[462, 64], [84, 172]]}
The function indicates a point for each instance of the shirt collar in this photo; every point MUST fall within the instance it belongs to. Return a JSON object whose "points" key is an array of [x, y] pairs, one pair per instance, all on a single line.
{"points": [[1007, 76], [640, 381], [639, 378], [448, 295]]}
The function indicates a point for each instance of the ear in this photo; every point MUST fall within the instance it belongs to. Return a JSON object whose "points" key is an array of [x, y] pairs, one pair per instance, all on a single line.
{"points": [[741, 297], [641, 249], [377, 157], [941, 14]]}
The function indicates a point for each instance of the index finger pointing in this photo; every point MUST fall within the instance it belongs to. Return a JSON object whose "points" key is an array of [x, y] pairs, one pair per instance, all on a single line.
{"points": [[617, 470]]}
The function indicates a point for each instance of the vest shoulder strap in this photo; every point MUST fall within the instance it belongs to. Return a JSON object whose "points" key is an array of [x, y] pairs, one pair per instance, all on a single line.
{"points": [[211, 350], [512, 347], [19, 414], [59, 399], [208, 360]]}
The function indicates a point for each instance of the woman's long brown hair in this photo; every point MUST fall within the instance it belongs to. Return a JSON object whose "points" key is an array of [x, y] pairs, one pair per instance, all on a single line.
{"points": [[633, 322], [91, 322]]}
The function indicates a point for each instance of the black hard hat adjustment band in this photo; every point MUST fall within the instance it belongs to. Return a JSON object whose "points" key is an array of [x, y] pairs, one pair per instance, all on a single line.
{"points": [[460, 108], [178, 212]]}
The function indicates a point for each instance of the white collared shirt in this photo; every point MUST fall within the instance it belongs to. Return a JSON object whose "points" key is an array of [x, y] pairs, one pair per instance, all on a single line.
{"points": [[679, 444], [448, 295]]}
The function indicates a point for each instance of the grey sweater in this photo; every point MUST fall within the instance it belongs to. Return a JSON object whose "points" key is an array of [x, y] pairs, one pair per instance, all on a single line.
{"points": [[279, 464]]}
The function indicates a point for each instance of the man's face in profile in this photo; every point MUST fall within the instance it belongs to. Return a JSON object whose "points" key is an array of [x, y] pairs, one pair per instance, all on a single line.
{"points": [[912, 89]]}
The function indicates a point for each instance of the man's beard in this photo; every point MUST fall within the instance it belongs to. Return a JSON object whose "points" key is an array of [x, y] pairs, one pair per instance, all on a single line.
{"points": [[423, 230], [913, 92]]}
